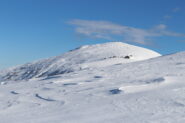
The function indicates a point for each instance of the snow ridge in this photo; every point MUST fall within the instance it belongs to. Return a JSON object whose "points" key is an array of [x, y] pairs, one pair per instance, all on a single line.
{"points": [[80, 58]]}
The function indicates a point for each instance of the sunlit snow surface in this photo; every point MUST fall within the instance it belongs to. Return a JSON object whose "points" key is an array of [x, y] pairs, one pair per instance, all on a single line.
{"points": [[101, 91]]}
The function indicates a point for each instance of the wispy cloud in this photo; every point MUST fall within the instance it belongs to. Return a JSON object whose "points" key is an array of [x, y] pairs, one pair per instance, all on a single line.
{"points": [[176, 9], [167, 17], [171, 13], [109, 30]]}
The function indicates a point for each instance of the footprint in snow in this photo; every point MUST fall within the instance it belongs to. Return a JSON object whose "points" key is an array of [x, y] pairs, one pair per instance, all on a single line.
{"points": [[47, 89], [48, 99], [51, 77], [43, 98], [94, 78], [98, 77], [69, 84], [179, 63], [13, 92], [157, 80]]}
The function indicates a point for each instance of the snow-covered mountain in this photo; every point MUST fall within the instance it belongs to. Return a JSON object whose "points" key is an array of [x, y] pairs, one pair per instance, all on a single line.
{"points": [[104, 83], [83, 57]]}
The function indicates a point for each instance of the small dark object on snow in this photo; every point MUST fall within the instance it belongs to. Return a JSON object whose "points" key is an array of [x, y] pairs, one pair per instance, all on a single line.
{"points": [[115, 91], [128, 57]]}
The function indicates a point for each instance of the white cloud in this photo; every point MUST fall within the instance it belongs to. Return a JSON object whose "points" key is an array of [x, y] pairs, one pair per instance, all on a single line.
{"points": [[109, 30]]}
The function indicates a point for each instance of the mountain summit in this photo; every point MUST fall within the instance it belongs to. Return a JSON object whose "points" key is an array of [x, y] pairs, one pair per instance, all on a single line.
{"points": [[84, 57]]}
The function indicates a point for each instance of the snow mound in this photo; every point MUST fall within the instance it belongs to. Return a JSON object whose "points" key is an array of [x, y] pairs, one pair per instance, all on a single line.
{"points": [[85, 57], [148, 91]]}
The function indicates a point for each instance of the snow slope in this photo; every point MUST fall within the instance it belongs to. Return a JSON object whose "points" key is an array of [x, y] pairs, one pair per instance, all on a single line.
{"points": [[144, 91], [83, 57]]}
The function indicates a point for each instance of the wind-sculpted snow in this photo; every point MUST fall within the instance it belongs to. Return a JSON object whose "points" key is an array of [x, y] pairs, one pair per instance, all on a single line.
{"points": [[81, 58], [147, 91]]}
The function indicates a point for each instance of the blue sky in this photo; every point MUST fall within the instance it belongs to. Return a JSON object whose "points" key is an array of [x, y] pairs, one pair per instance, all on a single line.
{"points": [[36, 29]]}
